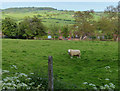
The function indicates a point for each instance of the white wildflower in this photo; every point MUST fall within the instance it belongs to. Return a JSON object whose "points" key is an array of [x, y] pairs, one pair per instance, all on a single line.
{"points": [[14, 85], [19, 85], [112, 85], [99, 79], [17, 81], [39, 86], [22, 74], [29, 78], [95, 88], [16, 73], [107, 79], [12, 82], [28, 87], [15, 77], [5, 71], [23, 84], [32, 83], [31, 73], [8, 84], [101, 87], [106, 86], [14, 66], [1, 82], [8, 88], [85, 83], [5, 80], [9, 78], [3, 87], [107, 67], [92, 84], [110, 71]]}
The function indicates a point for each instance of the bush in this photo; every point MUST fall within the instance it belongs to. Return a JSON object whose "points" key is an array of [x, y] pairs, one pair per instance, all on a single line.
{"points": [[32, 81], [9, 28], [56, 37], [93, 37], [31, 27], [39, 15], [44, 37]]}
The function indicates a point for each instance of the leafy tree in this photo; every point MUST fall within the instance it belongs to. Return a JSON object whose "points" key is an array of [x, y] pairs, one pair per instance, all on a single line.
{"points": [[105, 25], [31, 27], [108, 27], [65, 31], [112, 15], [9, 28], [84, 22], [111, 11], [54, 29]]}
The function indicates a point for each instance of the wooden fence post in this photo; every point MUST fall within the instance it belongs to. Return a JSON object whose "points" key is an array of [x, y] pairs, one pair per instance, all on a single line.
{"points": [[50, 73]]}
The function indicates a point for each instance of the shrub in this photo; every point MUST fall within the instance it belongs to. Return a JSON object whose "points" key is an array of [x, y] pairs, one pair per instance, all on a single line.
{"points": [[9, 28], [31, 27]]}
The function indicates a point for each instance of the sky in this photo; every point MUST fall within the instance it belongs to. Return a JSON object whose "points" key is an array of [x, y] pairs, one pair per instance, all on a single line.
{"points": [[76, 5], [59, 0]]}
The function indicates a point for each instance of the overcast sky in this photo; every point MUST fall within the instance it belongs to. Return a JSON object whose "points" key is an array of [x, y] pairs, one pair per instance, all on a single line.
{"points": [[59, 0]]}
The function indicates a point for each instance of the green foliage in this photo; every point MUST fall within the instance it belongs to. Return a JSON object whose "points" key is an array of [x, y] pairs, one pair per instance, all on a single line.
{"points": [[9, 28], [31, 27], [111, 11], [27, 9], [28, 28], [54, 30], [84, 22], [65, 31], [106, 25]]}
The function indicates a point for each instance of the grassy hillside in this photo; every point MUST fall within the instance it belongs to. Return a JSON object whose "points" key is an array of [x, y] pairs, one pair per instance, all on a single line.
{"points": [[48, 15], [98, 63]]}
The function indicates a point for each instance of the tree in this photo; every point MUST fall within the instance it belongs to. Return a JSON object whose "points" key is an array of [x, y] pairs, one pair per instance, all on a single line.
{"points": [[112, 14], [111, 11], [54, 30], [107, 27], [9, 28], [84, 23], [65, 31], [31, 27]]}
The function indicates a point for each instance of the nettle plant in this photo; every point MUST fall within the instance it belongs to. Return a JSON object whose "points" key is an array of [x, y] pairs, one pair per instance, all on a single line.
{"points": [[39, 81], [24, 81]]}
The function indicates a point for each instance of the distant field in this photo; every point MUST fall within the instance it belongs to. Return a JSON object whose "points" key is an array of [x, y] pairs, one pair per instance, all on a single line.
{"points": [[32, 55], [48, 16]]}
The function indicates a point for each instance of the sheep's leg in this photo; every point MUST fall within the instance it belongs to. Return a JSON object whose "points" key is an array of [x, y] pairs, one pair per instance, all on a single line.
{"points": [[79, 56], [71, 56]]}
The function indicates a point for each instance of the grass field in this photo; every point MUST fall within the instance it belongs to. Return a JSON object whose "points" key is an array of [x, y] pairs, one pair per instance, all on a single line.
{"points": [[48, 17], [98, 63]]}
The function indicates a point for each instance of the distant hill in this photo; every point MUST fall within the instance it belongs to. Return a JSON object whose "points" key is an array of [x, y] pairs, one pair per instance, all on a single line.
{"points": [[27, 9], [48, 15]]}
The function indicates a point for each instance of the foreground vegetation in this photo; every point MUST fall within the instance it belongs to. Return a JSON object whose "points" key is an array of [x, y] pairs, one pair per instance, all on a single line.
{"points": [[96, 69]]}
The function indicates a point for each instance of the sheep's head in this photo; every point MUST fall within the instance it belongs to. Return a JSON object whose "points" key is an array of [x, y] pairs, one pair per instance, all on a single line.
{"points": [[69, 50]]}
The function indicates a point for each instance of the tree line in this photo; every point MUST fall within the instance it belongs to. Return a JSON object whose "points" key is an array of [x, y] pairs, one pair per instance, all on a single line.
{"points": [[85, 25]]}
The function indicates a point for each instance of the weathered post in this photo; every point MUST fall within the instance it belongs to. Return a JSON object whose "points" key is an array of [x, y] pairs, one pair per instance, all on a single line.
{"points": [[50, 73]]}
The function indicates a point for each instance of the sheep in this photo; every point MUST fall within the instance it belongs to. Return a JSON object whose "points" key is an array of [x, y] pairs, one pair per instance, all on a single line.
{"points": [[74, 53]]}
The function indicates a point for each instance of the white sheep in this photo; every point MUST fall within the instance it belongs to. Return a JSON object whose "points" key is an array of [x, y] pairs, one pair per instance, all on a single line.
{"points": [[74, 53]]}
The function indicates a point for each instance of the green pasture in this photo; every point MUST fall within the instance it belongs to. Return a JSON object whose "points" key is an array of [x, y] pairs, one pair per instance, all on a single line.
{"points": [[48, 17], [32, 55]]}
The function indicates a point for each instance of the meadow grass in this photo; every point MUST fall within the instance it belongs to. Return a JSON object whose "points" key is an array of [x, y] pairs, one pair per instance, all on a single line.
{"points": [[48, 17], [98, 62]]}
